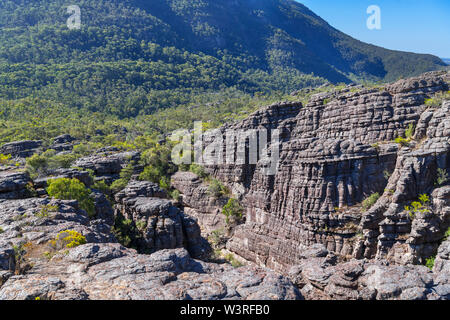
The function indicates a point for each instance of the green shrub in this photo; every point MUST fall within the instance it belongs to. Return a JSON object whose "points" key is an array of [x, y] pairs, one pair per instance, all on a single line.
{"points": [[125, 177], [102, 187], [85, 149], [46, 210], [119, 185], [1, 230], [370, 201], [447, 234], [430, 262], [72, 189], [126, 232], [5, 159], [141, 225], [216, 237], [418, 206], [233, 209], [216, 189], [387, 175], [37, 165], [198, 170], [175, 195], [233, 261], [164, 183], [409, 132], [442, 177], [402, 141], [151, 174]]}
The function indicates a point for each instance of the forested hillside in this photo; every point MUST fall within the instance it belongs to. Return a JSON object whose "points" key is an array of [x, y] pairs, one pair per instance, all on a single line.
{"points": [[137, 57]]}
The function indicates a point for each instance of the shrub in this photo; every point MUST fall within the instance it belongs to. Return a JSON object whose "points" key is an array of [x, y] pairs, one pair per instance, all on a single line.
{"points": [[409, 132], [127, 172], [85, 149], [5, 159], [164, 183], [37, 165], [402, 141], [46, 210], [1, 230], [216, 189], [125, 231], [102, 186], [175, 195], [442, 177], [118, 185], [430, 263], [72, 189], [141, 225], [418, 206], [370, 201], [61, 161], [151, 174], [68, 239], [198, 170], [125, 177], [233, 209], [232, 259], [216, 237], [447, 234]]}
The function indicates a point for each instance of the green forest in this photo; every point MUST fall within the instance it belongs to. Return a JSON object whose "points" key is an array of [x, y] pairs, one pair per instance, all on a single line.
{"points": [[155, 66]]}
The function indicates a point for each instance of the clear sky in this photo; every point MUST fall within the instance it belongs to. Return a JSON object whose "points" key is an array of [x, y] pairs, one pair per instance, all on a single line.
{"points": [[421, 26]]}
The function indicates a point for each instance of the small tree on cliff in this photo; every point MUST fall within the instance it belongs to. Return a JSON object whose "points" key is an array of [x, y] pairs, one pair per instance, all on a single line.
{"points": [[232, 211]]}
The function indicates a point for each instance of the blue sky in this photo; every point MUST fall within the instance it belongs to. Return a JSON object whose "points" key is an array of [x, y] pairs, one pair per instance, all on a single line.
{"points": [[421, 26]]}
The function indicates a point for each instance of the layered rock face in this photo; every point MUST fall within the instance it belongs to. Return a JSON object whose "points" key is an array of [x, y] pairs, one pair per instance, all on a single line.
{"points": [[335, 152], [21, 149], [36, 263], [320, 276], [160, 224], [112, 272], [13, 184], [30, 268], [198, 203], [108, 164]]}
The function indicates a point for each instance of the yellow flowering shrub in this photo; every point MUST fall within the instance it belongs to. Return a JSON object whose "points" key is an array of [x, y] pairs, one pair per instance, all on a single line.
{"points": [[68, 239]]}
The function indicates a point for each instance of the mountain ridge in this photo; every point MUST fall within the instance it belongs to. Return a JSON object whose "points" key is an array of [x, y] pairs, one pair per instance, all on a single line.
{"points": [[134, 57]]}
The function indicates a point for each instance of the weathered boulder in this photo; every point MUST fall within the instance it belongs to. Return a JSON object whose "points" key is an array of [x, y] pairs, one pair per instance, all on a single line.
{"points": [[160, 224], [111, 272], [41, 219], [13, 185], [21, 149]]}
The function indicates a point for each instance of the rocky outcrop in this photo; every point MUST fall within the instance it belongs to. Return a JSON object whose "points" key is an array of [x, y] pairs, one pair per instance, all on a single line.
{"points": [[21, 149], [107, 165], [103, 269], [14, 185], [198, 203], [320, 276], [112, 272], [63, 143], [160, 224], [83, 176], [335, 152], [40, 219]]}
